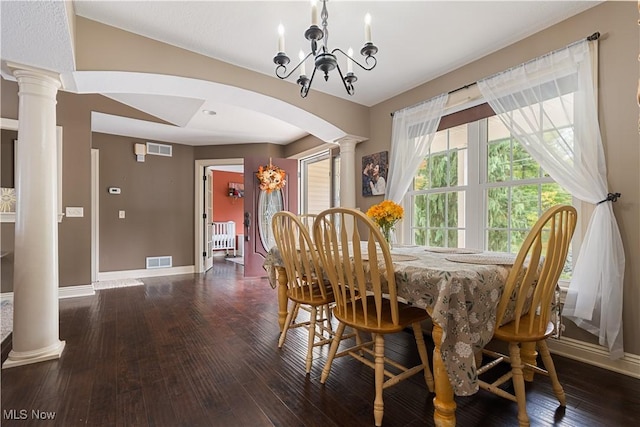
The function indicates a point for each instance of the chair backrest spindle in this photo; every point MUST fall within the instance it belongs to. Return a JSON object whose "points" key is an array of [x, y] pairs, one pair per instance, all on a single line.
{"points": [[532, 280], [299, 255], [356, 267]]}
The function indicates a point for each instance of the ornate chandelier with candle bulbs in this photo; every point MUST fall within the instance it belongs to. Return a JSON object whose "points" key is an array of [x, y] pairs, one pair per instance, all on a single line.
{"points": [[324, 60]]}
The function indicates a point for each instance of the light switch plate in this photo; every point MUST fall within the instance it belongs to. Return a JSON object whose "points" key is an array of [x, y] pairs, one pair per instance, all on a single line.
{"points": [[120, 214], [74, 212]]}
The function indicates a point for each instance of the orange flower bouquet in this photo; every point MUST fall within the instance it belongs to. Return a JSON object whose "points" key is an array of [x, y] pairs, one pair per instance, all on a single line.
{"points": [[386, 214], [271, 178]]}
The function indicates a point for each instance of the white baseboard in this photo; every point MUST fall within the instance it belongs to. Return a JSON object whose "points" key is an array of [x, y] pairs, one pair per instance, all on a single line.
{"points": [[596, 355], [76, 291], [145, 272], [88, 290], [63, 292]]}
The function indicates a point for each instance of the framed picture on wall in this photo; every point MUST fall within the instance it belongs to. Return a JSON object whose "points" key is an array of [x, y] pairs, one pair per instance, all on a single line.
{"points": [[375, 169]]}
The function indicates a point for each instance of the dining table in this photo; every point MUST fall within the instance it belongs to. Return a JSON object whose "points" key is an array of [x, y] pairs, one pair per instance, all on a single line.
{"points": [[460, 288]]}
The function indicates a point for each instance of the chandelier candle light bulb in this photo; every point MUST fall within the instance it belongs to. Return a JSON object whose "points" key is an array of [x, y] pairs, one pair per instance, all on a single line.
{"points": [[367, 28], [349, 62], [314, 12], [302, 70], [280, 38]]}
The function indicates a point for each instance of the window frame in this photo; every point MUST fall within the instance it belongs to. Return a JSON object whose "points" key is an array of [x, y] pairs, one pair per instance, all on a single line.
{"points": [[477, 185], [333, 156]]}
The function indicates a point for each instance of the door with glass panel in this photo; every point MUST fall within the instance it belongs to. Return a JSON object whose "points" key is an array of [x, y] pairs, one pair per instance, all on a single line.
{"points": [[261, 204]]}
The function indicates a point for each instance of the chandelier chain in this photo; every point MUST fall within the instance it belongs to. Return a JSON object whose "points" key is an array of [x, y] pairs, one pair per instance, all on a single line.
{"points": [[324, 15]]}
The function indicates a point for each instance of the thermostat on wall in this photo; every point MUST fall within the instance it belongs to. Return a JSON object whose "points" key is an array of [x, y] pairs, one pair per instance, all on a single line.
{"points": [[114, 190]]}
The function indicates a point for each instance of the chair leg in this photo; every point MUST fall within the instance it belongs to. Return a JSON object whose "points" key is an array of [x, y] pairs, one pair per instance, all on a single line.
{"points": [[528, 354], [312, 336], [551, 369], [518, 383], [378, 404], [332, 352], [359, 342], [294, 311], [424, 356], [286, 325], [324, 314]]}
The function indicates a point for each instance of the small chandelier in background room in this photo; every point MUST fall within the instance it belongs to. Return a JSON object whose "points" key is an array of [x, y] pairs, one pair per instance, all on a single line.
{"points": [[324, 60]]}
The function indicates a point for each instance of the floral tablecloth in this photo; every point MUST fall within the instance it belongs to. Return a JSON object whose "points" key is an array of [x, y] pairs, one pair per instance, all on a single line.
{"points": [[462, 298]]}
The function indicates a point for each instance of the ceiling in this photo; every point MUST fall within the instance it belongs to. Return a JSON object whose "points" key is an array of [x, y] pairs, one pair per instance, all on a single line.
{"points": [[417, 40]]}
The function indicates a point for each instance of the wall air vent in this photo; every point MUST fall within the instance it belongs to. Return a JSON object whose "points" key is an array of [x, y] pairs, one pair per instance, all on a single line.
{"points": [[156, 149], [159, 262]]}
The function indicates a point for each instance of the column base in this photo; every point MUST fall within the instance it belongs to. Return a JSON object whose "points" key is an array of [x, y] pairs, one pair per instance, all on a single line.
{"points": [[26, 358]]}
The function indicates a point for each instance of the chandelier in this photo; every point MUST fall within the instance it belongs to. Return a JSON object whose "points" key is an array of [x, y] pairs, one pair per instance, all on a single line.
{"points": [[324, 60]]}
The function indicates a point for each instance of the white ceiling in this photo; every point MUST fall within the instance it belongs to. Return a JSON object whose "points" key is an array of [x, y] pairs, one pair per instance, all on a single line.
{"points": [[417, 40]]}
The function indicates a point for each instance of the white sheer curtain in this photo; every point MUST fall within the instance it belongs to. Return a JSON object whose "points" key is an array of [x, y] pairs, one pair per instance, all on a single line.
{"points": [[538, 101], [412, 133]]}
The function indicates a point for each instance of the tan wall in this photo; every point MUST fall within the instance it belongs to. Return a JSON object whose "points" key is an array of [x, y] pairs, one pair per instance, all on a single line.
{"points": [[7, 244], [305, 145], [6, 157], [237, 151], [618, 74], [617, 21], [117, 163], [7, 229], [157, 198], [100, 47], [74, 234]]}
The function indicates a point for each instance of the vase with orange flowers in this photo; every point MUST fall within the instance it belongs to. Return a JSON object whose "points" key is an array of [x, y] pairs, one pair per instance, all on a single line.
{"points": [[386, 214]]}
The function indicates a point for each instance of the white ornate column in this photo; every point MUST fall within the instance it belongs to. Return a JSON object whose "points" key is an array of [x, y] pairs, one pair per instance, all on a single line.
{"points": [[35, 284], [347, 171]]}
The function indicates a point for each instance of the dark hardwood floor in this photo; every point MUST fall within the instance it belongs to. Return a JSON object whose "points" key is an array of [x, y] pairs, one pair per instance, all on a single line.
{"points": [[201, 350]]}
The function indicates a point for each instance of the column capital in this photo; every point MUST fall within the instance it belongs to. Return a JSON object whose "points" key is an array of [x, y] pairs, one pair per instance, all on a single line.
{"points": [[348, 142], [26, 73]]}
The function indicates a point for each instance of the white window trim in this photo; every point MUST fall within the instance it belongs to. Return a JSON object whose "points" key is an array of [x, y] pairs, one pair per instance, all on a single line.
{"points": [[475, 190]]}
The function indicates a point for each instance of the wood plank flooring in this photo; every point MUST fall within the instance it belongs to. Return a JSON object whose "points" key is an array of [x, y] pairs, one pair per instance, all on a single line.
{"points": [[201, 350]]}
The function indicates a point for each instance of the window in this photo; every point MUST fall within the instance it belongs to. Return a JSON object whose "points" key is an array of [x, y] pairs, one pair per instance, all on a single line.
{"points": [[440, 191], [479, 188], [320, 182]]}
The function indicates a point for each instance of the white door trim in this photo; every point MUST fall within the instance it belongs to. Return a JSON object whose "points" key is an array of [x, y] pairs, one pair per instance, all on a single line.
{"points": [[200, 166], [95, 214]]}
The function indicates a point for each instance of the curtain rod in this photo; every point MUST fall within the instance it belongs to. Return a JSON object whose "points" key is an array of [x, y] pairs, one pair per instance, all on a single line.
{"points": [[592, 37]]}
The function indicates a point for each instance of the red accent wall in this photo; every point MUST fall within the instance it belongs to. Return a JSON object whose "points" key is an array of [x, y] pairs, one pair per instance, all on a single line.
{"points": [[227, 208]]}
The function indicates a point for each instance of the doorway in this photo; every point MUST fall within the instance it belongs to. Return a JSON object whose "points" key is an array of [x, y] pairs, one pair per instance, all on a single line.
{"points": [[203, 211]]}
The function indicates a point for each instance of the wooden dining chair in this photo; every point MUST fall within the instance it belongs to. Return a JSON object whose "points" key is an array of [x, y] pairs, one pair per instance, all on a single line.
{"points": [[308, 219], [524, 310], [360, 270], [305, 284]]}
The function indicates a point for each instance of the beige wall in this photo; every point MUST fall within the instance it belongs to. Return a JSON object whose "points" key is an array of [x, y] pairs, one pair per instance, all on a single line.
{"points": [[618, 77], [100, 47], [166, 231], [157, 198], [6, 229], [617, 21], [237, 151]]}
